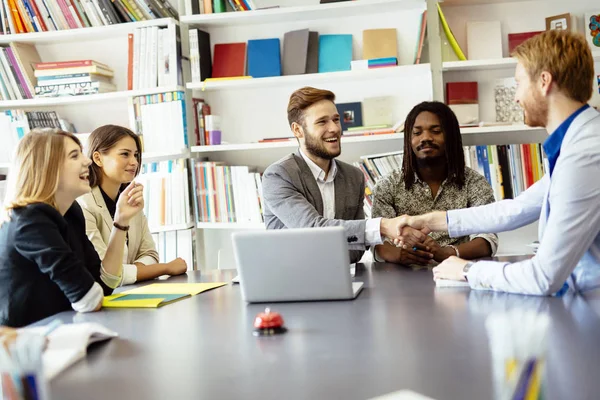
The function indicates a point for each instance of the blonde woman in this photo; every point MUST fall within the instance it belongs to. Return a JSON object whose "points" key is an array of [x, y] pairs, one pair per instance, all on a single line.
{"points": [[116, 158], [47, 264]]}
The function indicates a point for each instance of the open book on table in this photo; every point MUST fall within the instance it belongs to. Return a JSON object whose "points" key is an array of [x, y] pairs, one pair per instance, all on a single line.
{"points": [[68, 344]]}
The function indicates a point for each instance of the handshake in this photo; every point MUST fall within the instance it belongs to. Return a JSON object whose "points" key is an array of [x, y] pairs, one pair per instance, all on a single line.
{"points": [[410, 235], [407, 231]]}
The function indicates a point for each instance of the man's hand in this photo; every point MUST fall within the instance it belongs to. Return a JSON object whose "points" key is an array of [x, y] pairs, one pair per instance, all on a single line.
{"points": [[420, 257], [176, 267], [440, 253], [452, 269], [395, 227], [426, 223]]}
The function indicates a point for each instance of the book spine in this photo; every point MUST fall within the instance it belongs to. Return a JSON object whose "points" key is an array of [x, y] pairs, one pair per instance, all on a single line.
{"points": [[67, 14], [21, 77], [18, 91], [25, 16], [16, 17], [46, 16], [81, 13], [73, 11], [36, 18], [57, 14], [90, 10]]}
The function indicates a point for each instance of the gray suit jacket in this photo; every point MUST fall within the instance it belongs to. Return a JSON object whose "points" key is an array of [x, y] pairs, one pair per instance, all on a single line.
{"points": [[292, 200]]}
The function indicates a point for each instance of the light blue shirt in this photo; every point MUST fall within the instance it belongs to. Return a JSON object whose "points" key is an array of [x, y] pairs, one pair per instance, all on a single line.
{"points": [[567, 204]]}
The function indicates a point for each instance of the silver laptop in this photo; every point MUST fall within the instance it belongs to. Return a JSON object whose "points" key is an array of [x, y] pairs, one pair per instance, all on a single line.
{"points": [[294, 265]]}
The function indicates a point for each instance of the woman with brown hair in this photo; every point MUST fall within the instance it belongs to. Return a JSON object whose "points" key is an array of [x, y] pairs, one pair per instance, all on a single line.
{"points": [[47, 264], [116, 154]]}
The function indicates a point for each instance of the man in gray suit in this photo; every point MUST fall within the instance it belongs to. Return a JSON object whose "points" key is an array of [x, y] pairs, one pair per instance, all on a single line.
{"points": [[310, 188]]}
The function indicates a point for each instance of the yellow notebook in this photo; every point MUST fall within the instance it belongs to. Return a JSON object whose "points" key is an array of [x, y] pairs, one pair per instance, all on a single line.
{"points": [[157, 294], [170, 288]]}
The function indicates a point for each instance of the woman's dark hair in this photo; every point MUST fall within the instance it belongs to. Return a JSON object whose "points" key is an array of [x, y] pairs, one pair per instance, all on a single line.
{"points": [[455, 158], [103, 139]]}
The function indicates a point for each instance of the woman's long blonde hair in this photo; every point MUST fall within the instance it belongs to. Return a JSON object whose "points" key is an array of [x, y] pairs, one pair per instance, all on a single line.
{"points": [[35, 170]]}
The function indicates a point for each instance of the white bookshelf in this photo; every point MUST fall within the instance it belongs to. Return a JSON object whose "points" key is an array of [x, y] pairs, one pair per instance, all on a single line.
{"points": [[483, 130], [300, 13], [477, 65], [84, 34], [157, 157], [406, 71], [292, 144], [170, 228], [491, 64], [89, 98]]}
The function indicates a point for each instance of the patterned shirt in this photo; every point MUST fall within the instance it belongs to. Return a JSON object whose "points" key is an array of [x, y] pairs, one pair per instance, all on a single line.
{"points": [[391, 199]]}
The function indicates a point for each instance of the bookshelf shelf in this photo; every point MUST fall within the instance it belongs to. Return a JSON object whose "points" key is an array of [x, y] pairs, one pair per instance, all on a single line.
{"points": [[288, 144], [83, 34], [90, 98], [231, 225], [481, 65], [293, 14], [307, 79], [169, 228], [475, 65], [156, 157], [499, 129]]}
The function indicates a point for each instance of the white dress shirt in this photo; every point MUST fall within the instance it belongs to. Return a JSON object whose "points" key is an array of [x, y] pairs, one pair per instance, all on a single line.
{"points": [[327, 189], [567, 204]]}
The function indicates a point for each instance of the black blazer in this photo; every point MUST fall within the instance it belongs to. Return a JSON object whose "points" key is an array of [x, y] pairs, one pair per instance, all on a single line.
{"points": [[46, 263]]}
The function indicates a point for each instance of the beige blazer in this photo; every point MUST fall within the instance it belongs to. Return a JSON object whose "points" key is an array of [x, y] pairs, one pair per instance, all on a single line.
{"points": [[98, 225]]}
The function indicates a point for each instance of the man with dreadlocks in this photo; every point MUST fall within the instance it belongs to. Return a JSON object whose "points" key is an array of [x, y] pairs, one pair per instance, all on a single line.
{"points": [[433, 177]]}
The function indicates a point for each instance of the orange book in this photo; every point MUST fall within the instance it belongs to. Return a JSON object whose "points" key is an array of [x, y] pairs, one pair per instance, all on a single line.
{"points": [[25, 16], [130, 61], [16, 16], [208, 8], [162, 201]]}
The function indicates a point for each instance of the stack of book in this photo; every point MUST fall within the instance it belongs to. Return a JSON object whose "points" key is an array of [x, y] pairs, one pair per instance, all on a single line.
{"points": [[73, 78], [359, 65], [226, 194], [23, 16]]}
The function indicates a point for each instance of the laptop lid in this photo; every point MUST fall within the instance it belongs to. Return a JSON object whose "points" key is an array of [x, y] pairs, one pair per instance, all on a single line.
{"points": [[293, 264]]}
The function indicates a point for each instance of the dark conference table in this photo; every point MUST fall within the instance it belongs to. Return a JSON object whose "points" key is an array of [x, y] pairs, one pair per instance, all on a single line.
{"points": [[400, 333]]}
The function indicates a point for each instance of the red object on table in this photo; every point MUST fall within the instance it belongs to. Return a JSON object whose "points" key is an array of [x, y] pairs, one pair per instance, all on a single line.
{"points": [[268, 323]]}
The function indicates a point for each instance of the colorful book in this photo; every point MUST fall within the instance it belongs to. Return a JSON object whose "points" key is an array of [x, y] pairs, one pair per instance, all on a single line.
{"points": [[264, 58], [335, 53], [380, 43], [229, 60]]}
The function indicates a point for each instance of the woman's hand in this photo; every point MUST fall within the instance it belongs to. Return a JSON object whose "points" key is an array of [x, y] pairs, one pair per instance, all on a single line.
{"points": [[130, 202]]}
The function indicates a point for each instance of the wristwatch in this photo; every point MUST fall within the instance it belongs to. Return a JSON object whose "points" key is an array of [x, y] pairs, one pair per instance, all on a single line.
{"points": [[466, 268]]}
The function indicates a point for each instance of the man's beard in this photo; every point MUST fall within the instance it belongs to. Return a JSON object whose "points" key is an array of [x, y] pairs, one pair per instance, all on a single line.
{"points": [[316, 147], [536, 111], [431, 161]]}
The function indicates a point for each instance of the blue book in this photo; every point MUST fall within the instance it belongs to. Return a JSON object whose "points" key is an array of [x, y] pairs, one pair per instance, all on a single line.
{"points": [[264, 58], [335, 53]]}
